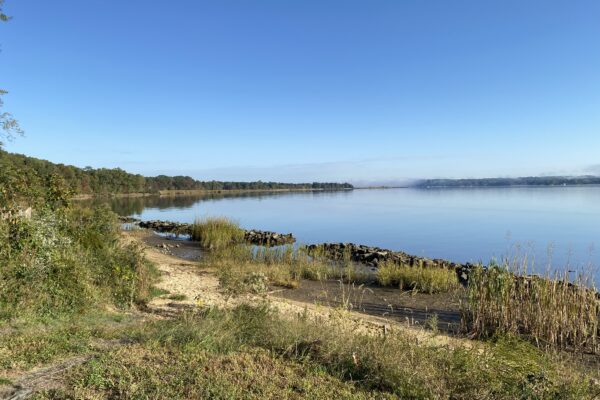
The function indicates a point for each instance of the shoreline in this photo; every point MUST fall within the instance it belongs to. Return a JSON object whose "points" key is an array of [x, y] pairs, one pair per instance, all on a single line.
{"points": [[197, 192]]}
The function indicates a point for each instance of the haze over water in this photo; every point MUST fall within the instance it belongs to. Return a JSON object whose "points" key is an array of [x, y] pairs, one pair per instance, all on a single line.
{"points": [[557, 225]]}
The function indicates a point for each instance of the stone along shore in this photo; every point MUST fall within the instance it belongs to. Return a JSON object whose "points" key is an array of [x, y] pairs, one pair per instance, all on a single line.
{"points": [[367, 255], [256, 237]]}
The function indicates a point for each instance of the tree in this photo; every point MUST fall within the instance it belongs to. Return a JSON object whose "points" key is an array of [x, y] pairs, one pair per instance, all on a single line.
{"points": [[9, 127]]}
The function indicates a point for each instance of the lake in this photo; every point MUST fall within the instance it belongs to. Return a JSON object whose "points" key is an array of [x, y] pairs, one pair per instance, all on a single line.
{"points": [[555, 225]]}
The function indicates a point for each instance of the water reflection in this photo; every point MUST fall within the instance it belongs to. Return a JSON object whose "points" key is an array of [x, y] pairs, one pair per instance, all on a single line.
{"points": [[127, 206], [551, 226]]}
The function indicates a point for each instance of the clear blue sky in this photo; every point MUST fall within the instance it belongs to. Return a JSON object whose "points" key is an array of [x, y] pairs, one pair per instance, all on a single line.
{"points": [[307, 90]]}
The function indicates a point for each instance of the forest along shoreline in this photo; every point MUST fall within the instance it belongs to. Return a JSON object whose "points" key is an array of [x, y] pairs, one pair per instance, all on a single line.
{"points": [[200, 192]]}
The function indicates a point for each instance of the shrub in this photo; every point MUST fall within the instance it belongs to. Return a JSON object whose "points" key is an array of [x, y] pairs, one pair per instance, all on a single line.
{"points": [[68, 261]]}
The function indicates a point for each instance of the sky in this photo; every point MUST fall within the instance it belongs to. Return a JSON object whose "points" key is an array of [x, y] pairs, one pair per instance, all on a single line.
{"points": [[330, 90]]}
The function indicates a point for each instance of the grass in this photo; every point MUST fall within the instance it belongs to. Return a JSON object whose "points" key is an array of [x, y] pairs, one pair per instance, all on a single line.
{"points": [[286, 265], [216, 233], [422, 279], [551, 310], [245, 268], [27, 343], [253, 353]]}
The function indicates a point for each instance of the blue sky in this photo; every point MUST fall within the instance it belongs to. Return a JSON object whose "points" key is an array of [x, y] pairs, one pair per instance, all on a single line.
{"points": [[366, 91]]}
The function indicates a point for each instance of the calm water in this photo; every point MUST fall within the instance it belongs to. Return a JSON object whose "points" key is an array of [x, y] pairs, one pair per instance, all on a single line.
{"points": [[555, 225]]}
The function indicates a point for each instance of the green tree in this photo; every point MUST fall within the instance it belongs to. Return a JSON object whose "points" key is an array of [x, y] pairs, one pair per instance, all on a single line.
{"points": [[9, 127]]}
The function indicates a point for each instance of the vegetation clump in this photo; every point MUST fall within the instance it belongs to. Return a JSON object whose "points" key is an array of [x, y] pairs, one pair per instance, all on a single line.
{"points": [[67, 261], [419, 278], [217, 233], [550, 310]]}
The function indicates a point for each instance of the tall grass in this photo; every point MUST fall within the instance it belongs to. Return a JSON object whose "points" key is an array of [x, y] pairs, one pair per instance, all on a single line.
{"points": [[287, 265], [173, 358], [550, 310], [240, 267], [419, 278], [216, 233]]}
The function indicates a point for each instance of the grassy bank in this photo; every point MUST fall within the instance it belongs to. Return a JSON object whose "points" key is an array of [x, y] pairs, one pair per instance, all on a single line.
{"points": [[251, 352]]}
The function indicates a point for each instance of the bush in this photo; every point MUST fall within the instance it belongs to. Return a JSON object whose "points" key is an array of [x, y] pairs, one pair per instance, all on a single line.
{"points": [[67, 261]]}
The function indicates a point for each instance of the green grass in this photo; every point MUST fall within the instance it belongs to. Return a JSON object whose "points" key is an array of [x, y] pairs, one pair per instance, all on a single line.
{"points": [[252, 353], [27, 343], [422, 279], [216, 233]]}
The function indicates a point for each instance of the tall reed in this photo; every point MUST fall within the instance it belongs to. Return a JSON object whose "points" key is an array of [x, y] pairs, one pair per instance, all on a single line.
{"points": [[423, 279], [551, 310], [216, 232]]}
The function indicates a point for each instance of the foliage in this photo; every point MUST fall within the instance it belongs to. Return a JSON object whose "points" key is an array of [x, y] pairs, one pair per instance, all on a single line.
{"points": [[67, 261], [108, 181], [9, 127]]}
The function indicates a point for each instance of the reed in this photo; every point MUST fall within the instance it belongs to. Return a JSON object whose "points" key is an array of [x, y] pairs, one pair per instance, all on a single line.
{"points": [[551, 310], [419, 278], [216, 233]]}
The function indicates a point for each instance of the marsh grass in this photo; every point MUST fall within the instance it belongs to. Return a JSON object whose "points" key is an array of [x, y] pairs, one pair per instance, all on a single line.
{"points": [[286, 265], [216, 233], [551, 310], [428, 280], [252, 352], [240, 267]]}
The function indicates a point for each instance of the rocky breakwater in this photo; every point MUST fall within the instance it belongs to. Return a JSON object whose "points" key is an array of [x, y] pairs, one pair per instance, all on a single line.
{"points": [[374, 256], [175, 228], [267, 238], [256, 237]]}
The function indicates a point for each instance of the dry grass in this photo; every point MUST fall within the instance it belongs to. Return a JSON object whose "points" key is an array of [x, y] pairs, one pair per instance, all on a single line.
{"points": [[550, 310], [427, 280]]}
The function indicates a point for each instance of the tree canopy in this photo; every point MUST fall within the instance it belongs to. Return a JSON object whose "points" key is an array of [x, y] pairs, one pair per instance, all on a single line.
{"points": [[9, 127], [117, 181]]}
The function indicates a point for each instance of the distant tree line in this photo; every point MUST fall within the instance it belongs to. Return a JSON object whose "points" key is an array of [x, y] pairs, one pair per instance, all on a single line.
{"points": [[500, 182], [117, 181]]}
